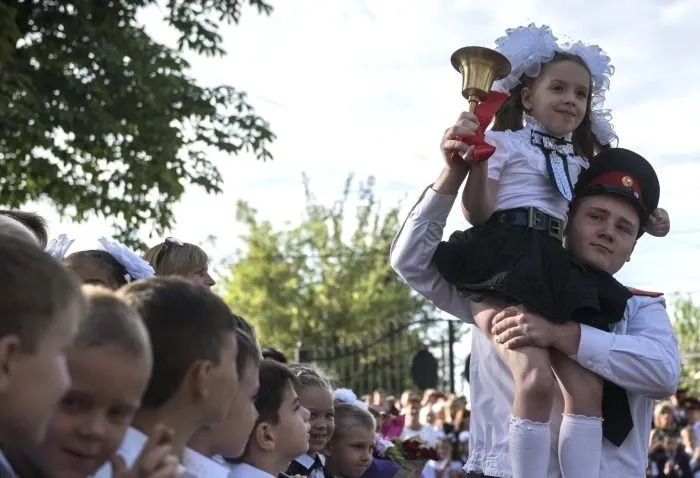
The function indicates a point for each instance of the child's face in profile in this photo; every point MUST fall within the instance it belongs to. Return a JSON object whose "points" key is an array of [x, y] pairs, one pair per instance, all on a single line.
{"points": [[223, 383], [230, 438], [292, 429], [202, 276], [319, 402], [350, 452], [92, 417], [36, 380]]}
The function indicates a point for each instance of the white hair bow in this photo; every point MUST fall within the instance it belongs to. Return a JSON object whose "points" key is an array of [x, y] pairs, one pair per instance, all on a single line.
{"points": [[59, 246], [136, 267], [345, 395]]}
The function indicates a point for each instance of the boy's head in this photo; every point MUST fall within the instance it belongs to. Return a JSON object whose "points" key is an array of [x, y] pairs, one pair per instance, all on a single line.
{"points": [[110, 364], [32, 221], [14, 228], [274, 354], [350, 450], [41, 306], [229, 438], [193, 338], [282, 427]]}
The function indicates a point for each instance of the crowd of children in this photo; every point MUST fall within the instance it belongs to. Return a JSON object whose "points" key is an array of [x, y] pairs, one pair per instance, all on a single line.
{"points": [[111, 370]]}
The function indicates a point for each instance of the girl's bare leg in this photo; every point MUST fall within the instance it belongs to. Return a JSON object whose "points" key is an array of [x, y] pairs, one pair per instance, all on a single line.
{"points": [[529, 437], [581, 432]]}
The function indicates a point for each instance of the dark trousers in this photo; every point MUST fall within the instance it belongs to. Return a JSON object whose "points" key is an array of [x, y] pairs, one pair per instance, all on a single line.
{"points": [[478, 475]]}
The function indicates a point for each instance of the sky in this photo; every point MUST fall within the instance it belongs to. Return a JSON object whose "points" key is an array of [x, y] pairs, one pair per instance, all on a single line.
{"points": [[366, 87]]}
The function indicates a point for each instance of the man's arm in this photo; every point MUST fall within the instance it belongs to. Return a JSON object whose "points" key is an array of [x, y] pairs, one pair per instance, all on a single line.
{"points": [[415, 244], [645, 359]]}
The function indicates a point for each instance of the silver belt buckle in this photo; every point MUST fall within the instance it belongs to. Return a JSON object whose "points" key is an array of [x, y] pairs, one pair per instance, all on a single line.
{"points": [[556, 229], [535, 218]]}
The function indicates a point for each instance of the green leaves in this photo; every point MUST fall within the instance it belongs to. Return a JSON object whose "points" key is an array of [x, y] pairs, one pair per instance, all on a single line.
{"points": [[100, 119], [327, 278], [686, 324]]}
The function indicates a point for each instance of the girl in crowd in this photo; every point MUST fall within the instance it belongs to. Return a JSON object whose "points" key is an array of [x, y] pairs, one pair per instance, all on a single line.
{"points": [[316, 395], [176, 258]]}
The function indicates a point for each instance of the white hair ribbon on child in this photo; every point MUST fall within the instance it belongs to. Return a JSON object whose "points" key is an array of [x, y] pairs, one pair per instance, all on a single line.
{"points": [[59, 246], [345, 395], [136, 267], [528, 48]]}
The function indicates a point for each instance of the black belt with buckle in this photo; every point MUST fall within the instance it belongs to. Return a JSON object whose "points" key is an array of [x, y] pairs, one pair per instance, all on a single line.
{"points": [[530, 217]]}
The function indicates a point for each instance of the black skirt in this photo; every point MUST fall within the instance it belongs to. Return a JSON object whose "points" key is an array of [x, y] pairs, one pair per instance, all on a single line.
{"points": [[526, 266]]}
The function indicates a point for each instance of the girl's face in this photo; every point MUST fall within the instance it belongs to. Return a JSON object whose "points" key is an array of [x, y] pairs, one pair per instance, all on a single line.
{"points": [[350, 453], [91, 419], [319, 402], [559, 96], [202, 276], [666, 418]]}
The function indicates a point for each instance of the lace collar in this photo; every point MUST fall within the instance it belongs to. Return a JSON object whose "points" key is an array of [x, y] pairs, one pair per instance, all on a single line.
{"points": [[532, 124]]}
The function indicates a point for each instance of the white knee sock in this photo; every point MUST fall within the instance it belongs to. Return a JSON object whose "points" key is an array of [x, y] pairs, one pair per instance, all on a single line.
{"points": [[580, 446], [529, 444]]}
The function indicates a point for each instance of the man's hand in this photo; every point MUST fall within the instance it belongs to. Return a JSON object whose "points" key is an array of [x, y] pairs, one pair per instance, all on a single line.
{"points": [[513, 327]]}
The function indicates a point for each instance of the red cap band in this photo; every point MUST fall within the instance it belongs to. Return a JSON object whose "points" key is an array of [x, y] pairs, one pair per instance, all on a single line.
{"points": [[619, 180]]}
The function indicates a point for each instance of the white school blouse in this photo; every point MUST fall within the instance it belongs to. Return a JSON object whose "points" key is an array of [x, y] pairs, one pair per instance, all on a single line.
{"points": [[521, 171], [196, 465], [641, 355]]}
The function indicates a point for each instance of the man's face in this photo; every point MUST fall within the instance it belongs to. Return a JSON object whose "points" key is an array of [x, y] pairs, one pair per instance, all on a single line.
{"points": [[602, 231]]}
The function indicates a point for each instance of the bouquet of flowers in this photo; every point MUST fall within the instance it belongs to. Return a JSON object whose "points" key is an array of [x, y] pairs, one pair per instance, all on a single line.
{"points": [[410, 454]]}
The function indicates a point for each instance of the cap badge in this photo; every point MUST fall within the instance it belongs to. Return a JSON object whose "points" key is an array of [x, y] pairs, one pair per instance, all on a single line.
{"points": [[627, 181]]}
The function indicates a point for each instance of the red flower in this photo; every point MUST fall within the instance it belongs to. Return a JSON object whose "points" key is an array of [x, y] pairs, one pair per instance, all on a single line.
{"points": [[415, 450]]}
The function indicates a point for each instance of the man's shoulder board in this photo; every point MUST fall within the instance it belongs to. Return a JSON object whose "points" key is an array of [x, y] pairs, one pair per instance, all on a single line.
{"points": [[645, 293]]}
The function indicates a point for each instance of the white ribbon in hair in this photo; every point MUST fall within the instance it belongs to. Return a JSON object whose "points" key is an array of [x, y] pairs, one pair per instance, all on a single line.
{"points": [[58, 247], [136, 267], [345, 395], [528, 48]]}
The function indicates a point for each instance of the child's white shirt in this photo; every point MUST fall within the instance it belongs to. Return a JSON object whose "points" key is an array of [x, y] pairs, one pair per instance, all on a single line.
{"points": [[244, 470], [521, 170], [196, 465]]}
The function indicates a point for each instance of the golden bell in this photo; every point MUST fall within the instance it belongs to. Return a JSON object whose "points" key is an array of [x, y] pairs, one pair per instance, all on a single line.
{"points": [[479, 67]]}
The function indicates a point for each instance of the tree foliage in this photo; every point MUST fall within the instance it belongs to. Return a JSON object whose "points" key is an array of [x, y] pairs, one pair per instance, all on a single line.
{"points": [[686, 324], [327, 282], [101, 119]]}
